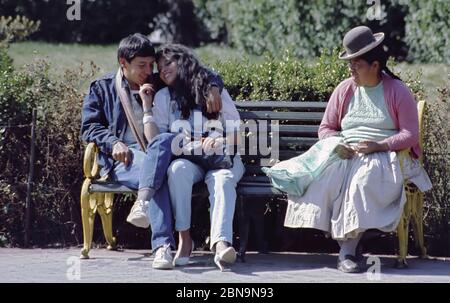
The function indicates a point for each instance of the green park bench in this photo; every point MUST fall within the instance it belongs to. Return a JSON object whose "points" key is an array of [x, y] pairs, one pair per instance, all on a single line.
{"points": [[292, 126]]}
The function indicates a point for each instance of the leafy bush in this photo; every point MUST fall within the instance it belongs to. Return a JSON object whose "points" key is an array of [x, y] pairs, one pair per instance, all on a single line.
{"points": [[58, 153], [427, 31], [305, 27], [16, 29], [212, 20], [437, 163], [415, 29], [283, 78], [58, 150]]}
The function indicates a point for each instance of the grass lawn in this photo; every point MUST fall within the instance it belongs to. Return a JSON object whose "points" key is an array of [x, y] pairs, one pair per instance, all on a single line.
{"points": [[63, 56]]}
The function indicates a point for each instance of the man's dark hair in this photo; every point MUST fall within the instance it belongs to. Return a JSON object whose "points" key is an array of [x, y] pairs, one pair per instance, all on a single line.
{"points": [[136, 45]]}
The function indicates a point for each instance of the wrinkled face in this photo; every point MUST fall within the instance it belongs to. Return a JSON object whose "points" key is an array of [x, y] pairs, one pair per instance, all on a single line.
{"points": [[168, 70], [138, 70], [363, 72]]}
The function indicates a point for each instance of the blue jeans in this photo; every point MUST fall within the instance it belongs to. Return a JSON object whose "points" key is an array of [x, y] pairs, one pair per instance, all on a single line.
{"points": [[149, 170]]}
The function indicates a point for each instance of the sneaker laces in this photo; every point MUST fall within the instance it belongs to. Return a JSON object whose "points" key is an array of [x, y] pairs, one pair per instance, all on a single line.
{"points": [[141, 205], [163, 252]]}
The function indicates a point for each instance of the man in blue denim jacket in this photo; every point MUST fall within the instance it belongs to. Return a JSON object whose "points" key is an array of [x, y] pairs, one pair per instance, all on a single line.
{"points": [[105, 123]]}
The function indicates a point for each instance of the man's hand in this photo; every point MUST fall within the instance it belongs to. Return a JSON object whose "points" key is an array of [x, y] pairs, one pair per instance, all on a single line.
{"points": [[345, 151], [368, 147], [214, 100], [147, 92], [121, 153]]}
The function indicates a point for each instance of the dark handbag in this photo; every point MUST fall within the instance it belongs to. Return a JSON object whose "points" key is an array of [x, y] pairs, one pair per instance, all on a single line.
{"points": [[196, 155], [209, 162]]}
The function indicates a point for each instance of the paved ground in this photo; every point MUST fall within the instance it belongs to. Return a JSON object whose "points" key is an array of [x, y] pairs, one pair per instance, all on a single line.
{"points": [[63, 265]]}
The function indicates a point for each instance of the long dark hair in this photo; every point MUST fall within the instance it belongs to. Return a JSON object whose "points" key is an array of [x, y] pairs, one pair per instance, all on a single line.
{"points": [[191, 86], [380, 55]]}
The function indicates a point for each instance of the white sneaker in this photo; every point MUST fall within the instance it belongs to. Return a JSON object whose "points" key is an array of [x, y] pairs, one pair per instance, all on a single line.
{"points": [[163, 258], [138, 214]]}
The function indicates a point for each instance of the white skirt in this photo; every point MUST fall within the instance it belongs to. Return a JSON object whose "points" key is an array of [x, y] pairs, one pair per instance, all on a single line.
{"points": [[354, 195]]}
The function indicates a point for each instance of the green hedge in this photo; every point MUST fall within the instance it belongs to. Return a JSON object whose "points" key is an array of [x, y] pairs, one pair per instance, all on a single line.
{"points": [[283, 78], [305, 26], [437, 164], [427, 30], [416, 30]]}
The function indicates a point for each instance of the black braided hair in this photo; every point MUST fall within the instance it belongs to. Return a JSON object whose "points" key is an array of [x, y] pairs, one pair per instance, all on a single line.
{"points": [[380, 55]]}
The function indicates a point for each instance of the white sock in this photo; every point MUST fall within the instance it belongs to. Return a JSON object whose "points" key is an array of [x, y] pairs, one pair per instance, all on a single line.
{"points": [[146, 194], [348, 247], [221, 245]]}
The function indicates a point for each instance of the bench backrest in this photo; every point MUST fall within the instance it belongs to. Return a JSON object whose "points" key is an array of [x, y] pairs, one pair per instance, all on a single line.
{"points": [[292, 125]]}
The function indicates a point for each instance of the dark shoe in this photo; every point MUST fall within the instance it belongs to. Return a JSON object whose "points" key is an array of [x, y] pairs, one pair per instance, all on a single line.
{"points": [[349, 265]]}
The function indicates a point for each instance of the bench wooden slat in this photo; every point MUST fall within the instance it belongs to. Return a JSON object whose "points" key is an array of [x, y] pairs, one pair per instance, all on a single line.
{"points": [[258, 191], [109, 187], [303, 105], [246, 180], [282, 155], [112, 187], [298, 130], [309, 131], [291, 116], [252, 169], [297, 142]]}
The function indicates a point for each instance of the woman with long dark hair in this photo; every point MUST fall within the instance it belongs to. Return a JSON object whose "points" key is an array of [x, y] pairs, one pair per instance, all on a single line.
{"points": [[183, 103]]}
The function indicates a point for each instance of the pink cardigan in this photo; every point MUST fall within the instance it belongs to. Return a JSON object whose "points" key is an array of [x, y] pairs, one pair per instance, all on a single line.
{"points": [[400, 103]]}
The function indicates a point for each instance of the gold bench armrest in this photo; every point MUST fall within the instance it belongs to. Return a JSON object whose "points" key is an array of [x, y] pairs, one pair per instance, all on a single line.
{"points": [[91, 168]]}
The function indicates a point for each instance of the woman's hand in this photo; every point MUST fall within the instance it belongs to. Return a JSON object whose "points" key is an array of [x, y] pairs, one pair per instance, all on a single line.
{"points": [[345, 151], [214, 100], [368, 147], [213, 145], [147, 92]]}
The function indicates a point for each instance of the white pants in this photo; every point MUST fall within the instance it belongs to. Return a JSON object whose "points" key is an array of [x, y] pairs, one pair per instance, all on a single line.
{"points": [[183, 174]]}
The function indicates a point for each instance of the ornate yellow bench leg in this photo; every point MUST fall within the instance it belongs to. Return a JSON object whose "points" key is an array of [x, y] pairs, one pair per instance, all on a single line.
{"points": [[413, 207], [87, 216], [417, 221], [417, 208], [105, 212], [402, 233], [88, 201]]}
